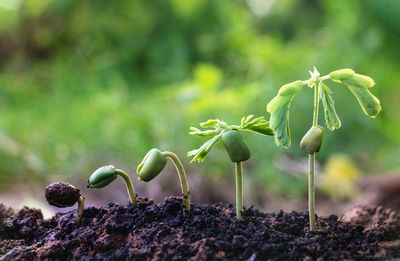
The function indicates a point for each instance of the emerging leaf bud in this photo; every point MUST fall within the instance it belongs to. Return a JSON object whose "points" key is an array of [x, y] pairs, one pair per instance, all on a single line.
{"points": [[311, 142], [236, 146], [152, 164], [62, 195], [340, 75], [102, 177]]}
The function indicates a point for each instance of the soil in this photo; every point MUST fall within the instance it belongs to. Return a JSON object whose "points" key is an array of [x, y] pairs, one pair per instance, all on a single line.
{"points": [[164, 231]]}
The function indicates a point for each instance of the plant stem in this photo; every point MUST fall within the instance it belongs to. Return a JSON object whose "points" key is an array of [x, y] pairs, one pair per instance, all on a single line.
{"points": [[316, 103], [182, 177], [239, 190], [311, 191], [81, 207], [311, 160], [129, 186]]}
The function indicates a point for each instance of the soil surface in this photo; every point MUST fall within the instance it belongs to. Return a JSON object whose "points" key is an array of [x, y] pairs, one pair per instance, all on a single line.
{"points": [[164, 231]]}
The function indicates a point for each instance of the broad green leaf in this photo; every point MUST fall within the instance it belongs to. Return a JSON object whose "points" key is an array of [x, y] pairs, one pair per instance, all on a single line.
{"points": [[349, 78], [369, 103], [290, 88], [360, 81], [278, 107], [331, 118], [341, 74]]}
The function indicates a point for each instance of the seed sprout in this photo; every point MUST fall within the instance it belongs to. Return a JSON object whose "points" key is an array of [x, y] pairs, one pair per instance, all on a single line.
{"points": [[235, 145], [107, 174], [155, 161], [64, 195]]}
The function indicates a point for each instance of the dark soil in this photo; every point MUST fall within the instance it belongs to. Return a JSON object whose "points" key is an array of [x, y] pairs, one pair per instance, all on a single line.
{"points": [[151, 231]]}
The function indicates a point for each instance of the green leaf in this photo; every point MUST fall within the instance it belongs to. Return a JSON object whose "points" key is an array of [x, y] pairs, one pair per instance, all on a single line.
{"points": [[278, 107], [358, 84], [258, 125], [218, 127], [209, 123], [201, 153], [331, 118], [360, 81], [262, 129], [350, 78], [253, 122], [340, 75], [369, 103], [245, 120], [205, 133]]}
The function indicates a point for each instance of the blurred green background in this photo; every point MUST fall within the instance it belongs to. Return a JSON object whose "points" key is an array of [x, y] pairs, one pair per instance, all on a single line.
{"points": [[89, 83]]}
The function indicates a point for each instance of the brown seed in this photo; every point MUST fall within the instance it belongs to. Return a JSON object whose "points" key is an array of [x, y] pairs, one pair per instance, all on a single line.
{"points": [[62, 194]]}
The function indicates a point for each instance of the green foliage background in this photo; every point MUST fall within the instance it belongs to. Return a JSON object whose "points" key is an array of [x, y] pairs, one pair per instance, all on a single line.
{"points": [[85, 83]]}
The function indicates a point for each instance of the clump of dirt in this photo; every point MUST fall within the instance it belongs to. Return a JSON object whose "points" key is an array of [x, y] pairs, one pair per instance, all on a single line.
{"points": [[165, 231]]}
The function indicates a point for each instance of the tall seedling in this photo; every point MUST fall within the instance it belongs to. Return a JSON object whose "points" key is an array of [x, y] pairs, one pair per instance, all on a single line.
{"points": [[278, 107]]}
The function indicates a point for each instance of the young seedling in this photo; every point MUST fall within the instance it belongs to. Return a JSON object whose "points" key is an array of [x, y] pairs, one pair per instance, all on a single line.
{"points": [[107, 174], [278, 107], [155, 161], [233, 142], [64, 195]]}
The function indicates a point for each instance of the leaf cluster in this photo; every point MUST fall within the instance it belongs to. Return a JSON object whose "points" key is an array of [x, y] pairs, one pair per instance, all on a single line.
{"points": [[358, 85], [214, 129]]}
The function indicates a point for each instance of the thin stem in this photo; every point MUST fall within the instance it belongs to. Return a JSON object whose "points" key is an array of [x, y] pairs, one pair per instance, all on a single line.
{"points": [[311, 191], [239, 190], [182, 177], [129, 186], [316, 103], [81, 207], [311, 160]]}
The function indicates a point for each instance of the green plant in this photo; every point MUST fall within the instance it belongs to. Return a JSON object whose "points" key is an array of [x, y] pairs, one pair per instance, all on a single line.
{"points": [[64, 195], [154, 162], [233, 142], [278, 107], [107, 174]]}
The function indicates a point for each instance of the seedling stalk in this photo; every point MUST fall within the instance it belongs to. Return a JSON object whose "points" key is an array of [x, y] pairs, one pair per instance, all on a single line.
{"points": [[182, 177], [129, 186], [239, 190]]}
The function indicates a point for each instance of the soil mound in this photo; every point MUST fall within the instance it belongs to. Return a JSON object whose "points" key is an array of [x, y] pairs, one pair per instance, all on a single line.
{"points": [[164, 231]]}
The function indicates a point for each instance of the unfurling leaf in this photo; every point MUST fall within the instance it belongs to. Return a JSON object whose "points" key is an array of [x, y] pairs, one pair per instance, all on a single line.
{"points": [[278, 107], [261, 129], [331, 118], [369, 103], [217, 128], [245, 120], [209, 123], [201, 153], [197, 132], [259, 126]]}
